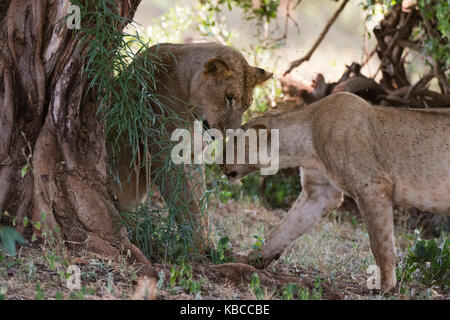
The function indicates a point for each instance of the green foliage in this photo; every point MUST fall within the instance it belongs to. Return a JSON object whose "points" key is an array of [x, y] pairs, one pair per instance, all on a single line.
{"points": [[278, 191], [39, 295], [432, 261], [9, 237], [259, 242], [292, 291], [281, 191], [255, 287], [426, 261], [436, 43], [182, 276], [158, 235], [370, 5], [266, 11], [79, 295], [246, 189], [223, 253], [24, 171], [433, 31], [123, 72], [170, 26], [289, 291]]}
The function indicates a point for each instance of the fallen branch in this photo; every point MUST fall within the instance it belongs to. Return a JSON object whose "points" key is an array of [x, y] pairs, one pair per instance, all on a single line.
{"points": [[298, 62]]}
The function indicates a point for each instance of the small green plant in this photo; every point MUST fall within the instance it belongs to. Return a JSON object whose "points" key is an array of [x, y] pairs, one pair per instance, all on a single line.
{"points": [[306, 294], [161, 279], [259, 242], [182, 276], [9, 237], [292, 291], [84, 291], [39, 293], [255, 287], [223, 253], [281, 191], [256, 255], [431, 260], [317, 291], [289, 291], [3, 292]]}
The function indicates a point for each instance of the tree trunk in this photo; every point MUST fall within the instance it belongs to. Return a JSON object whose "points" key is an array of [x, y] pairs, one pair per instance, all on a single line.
{"points": [[50, 125]]}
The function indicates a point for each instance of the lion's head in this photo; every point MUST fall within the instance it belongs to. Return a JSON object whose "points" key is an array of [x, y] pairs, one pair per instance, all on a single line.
{"points": [[222, 88]]}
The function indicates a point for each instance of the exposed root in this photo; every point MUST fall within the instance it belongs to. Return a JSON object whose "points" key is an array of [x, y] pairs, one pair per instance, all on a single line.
{"points": [[240, 274]]}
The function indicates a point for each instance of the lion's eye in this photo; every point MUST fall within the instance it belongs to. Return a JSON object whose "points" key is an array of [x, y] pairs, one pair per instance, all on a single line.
{"points": [[229, 99]]}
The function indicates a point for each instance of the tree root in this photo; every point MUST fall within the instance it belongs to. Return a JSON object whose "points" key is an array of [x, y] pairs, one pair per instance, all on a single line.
{"points": [[240, 274]]}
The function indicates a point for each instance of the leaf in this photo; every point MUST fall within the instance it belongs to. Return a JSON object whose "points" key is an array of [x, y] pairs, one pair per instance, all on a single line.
{"points": [[9, 236], [432, 250], [37, 225], [420, 250], [254, 281], [24, 171], [25, 221]]}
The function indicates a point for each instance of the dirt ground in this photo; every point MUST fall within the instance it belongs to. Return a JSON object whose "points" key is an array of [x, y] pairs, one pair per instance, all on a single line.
{"points": [[329, 262]]}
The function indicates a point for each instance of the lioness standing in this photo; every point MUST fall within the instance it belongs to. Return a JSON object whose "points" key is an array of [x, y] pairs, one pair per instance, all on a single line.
{"points": [[378, 156], [207, 81]]}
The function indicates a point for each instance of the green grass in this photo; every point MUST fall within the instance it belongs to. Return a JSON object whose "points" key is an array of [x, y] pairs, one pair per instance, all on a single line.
{"points": [[123, 74], [334, 255]]}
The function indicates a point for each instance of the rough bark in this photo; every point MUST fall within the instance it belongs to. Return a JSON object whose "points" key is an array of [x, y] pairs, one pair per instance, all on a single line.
{"points": [[49, 122]]}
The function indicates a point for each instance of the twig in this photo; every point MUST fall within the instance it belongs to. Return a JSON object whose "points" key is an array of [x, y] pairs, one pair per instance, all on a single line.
{"points": [[286, 21], [297, 4], [369, 56], [298, 62], [420, 84], [393, 43]]}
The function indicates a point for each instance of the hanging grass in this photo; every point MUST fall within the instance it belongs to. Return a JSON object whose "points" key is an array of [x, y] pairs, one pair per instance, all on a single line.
{"points": [[123, 72]]}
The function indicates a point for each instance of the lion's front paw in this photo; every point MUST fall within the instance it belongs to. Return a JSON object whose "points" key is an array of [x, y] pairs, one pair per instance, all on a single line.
{"points": [[388, 283]]}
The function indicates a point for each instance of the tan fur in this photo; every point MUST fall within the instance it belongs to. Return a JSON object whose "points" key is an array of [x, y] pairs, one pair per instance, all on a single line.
{"points": [[192, 81], [379, 156]]}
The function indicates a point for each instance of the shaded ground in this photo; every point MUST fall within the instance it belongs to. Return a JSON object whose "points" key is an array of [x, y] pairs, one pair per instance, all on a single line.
{"points": [[330, 262]]}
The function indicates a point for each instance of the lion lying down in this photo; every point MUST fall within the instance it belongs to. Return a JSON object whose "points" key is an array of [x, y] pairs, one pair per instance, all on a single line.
{"points": [[379, 156]]}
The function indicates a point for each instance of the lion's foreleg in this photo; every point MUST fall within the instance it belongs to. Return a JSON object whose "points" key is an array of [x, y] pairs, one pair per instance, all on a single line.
{"points": [[317, 199]]}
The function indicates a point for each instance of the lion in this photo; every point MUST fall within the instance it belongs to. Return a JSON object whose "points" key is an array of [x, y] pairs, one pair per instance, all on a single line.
{"points": [[379, 156], [206, 81]]}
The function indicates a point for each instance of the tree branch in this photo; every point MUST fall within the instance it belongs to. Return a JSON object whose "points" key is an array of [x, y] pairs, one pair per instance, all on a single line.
{"points": [[330, 22]]}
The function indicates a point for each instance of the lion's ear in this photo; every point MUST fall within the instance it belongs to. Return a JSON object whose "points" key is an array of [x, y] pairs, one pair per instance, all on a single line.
{"points": [[217, 67], [261, 75]]}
